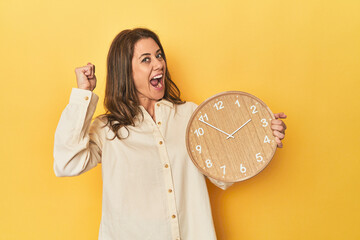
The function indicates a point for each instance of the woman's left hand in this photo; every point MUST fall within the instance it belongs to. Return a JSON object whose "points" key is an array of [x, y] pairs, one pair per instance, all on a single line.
{"points": [[278, 127]]}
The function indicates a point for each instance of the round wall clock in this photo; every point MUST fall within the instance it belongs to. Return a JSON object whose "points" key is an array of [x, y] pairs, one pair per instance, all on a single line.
{"points": [[229, 137]]}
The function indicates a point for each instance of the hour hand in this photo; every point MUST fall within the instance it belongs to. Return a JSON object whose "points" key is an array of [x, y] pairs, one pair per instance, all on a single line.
{"points": [[229, 136]]}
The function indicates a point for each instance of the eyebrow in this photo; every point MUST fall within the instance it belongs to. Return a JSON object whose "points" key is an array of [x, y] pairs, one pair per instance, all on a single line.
{"points": [[144, 54]]}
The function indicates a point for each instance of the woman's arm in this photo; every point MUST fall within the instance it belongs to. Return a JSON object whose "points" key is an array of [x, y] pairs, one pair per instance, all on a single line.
{"points": [[77, 145]]}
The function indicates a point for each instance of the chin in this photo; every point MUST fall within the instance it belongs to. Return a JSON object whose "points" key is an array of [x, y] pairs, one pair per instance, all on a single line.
{"points": [[159, 97]]}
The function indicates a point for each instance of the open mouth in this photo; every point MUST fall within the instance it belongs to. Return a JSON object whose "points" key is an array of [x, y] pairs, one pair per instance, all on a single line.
{"points": [[157, 81]]}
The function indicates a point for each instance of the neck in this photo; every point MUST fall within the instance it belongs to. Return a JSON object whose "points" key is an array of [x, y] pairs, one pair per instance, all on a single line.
{"points": [[149, 106]]}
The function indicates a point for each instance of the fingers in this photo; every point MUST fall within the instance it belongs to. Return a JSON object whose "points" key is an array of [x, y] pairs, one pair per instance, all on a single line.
{"points": [[278, 122], [88, 70], [278, 134], [278, 142], [93, 68], [280, 115], [85, 77], [279, 128]]}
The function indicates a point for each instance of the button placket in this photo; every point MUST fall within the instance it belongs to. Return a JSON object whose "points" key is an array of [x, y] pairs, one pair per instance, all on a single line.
{"points": [[175, 229], [158, 115], [170, 196], [171, 200]]}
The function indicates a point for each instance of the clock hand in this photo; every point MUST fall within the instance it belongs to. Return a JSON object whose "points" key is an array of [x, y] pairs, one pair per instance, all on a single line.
{"points": [[239, 128], [216, 128]]}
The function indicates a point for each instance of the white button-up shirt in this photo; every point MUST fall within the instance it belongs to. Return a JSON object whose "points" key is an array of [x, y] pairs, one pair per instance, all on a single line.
{"points": [[151, 188]]}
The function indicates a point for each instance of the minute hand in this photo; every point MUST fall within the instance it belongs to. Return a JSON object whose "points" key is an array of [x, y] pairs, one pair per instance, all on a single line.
{"points": [[216, 129], [231, 135]]}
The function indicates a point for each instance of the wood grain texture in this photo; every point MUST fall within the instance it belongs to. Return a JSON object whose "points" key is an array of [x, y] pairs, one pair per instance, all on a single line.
{"points": [[220, 152]]}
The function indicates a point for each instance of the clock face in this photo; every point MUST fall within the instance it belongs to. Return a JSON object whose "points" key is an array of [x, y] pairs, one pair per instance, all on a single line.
{"points": [[229, 137]]}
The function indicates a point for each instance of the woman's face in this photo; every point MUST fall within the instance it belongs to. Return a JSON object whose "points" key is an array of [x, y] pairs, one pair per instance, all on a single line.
{"points": [[148, 69]]}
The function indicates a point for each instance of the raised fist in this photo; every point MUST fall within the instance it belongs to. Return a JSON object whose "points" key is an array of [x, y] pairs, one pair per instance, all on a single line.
{"points": [[85, 77]]}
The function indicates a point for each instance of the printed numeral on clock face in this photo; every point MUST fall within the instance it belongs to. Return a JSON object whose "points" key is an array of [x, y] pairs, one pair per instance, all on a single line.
{"points": [[242, 169], [219, 105], [259, 158], [253, 108], [265, 123], [198, 148], [202, 117], [223, 167], [199, 132]]}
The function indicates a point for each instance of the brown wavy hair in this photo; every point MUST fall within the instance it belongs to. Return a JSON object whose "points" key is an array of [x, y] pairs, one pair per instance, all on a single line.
{"points": [[121, 101]]}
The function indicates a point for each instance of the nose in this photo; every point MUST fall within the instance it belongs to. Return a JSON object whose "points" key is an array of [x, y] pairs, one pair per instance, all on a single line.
{"points": [[157, 64]]}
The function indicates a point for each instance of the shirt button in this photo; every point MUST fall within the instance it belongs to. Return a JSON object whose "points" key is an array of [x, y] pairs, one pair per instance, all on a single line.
{"points": [[173, 216], [159, 123], [170, 190], [161, 142], [166, 166], [158, 104], [86, 98]]}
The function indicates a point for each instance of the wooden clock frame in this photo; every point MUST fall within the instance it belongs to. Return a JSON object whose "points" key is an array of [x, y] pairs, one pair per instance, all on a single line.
{"points": [[229, 136]]}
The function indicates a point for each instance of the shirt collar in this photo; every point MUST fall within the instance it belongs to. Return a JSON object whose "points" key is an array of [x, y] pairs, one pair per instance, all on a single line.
{"points": [[166, 102], [161, 102], [138, 118]]}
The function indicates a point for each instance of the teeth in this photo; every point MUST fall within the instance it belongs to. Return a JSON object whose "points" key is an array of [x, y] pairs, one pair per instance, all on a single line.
{"points": [[156, 77]]}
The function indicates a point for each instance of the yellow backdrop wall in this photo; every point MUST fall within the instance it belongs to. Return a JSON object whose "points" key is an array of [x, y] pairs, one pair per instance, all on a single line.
{"points": [[300, 57]]}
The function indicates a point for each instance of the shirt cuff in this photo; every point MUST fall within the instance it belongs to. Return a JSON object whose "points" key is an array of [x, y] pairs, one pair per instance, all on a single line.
{"points": [[83, 96], [220, 184]]}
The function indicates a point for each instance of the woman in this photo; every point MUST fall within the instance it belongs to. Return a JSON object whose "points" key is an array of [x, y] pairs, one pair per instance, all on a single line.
{"points": [[151, 189]]}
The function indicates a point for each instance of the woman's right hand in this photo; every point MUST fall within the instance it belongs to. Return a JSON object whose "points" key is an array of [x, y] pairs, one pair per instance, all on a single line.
{"points": [[85, 77]]}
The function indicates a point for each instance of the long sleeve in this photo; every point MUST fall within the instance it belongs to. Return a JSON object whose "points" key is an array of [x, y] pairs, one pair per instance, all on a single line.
{"points": [[77, 144], [219, 184]]}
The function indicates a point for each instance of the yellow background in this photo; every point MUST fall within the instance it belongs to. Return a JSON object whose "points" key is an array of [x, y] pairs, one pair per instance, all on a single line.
{"points": [[300, 57]]}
